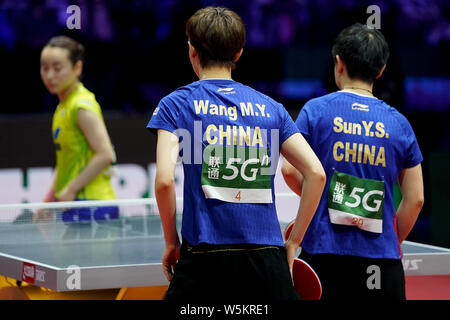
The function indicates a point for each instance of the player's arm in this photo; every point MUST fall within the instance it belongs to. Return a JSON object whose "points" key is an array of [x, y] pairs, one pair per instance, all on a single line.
{"points": [[293, 177], [298, 152], [167, 148], [42, 214], [50, 195], [411, 187], [97, 137]]}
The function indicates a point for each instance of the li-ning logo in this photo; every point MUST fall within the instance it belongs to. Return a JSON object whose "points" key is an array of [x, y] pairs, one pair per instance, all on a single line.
{"points": [[226, 90], [361, 107], [156, 111]]}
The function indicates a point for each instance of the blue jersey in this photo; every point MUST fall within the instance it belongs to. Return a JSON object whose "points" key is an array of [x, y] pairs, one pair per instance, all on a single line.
{"points": [[363, 145], [230, 137]]}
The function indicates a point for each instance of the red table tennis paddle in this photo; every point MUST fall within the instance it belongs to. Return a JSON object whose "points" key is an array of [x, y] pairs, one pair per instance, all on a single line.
{"points": [[306, 282], [288, 230]]}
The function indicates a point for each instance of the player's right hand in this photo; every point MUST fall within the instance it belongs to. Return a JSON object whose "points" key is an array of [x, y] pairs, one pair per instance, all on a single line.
{"points": [[43, 215], [170, 257]]}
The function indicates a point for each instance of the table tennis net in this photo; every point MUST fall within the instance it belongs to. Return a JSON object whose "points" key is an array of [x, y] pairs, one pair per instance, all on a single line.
{"points": [[80, 211], [107, 210], [82, 221], [96, 220]]}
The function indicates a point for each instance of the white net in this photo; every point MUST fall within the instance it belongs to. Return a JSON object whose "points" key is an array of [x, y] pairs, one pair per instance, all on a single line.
{"points": [[79, 211], [104, 210], [80, 221], [90, 220]]}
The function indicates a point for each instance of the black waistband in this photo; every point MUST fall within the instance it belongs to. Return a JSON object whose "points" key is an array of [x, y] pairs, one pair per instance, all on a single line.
{"points": [[207, 247]]}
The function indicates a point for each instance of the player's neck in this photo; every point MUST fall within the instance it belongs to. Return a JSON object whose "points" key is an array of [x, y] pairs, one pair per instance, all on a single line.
{"points": [[215, 73], [357, 86], [63, 94]]}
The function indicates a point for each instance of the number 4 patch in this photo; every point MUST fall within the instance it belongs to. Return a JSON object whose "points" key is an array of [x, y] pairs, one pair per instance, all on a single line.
{"points": [[237, 174]]}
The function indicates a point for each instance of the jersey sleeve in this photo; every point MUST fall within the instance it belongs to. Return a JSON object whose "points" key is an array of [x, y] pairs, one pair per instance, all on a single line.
{"points": [[303, 122], [288, 127], [413, 154], [164, 116], [86, 104]]}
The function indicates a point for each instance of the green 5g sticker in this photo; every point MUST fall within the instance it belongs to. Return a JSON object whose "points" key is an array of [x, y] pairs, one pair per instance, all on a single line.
{"points": [[356, 202], [236, 174]]}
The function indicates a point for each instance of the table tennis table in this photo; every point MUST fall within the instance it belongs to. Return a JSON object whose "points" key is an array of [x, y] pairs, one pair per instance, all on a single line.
{"points": [[126, 253]]}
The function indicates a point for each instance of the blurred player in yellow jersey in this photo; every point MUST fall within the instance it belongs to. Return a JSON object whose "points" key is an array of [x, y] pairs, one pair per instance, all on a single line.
{"points": [[84, 152]]}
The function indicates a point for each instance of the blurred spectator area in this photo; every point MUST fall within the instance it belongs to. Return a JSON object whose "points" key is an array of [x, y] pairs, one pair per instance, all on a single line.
{"points": [[137, 51]]}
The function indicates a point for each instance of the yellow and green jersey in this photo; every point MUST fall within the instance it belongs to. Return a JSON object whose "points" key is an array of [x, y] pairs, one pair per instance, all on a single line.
{"points": [[73, 152]]}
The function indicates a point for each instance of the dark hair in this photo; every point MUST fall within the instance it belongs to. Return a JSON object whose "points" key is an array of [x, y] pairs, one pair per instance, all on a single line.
{"points": [[76, 49], [218, 34], [363, 50]]}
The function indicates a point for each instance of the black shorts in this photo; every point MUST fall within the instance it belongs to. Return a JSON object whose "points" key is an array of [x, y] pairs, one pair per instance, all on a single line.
{"points": [[218, 273], [357, 278]]}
